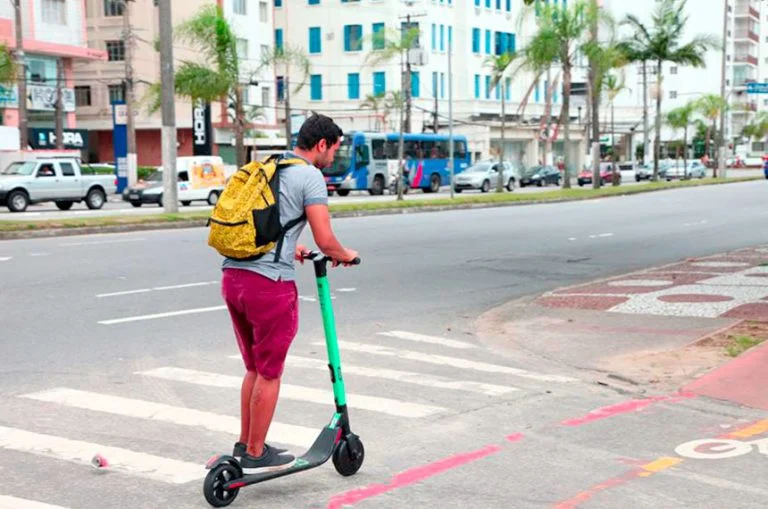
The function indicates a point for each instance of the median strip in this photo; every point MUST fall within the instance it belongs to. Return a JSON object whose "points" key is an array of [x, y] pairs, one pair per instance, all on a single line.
{"points": [[81, 225]]}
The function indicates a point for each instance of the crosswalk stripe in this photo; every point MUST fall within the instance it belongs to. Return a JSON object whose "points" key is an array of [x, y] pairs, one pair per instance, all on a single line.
{"points": [[7, 502], [281, 433], [437, 382], [297, 392], [122, 460], [433, 340], [447, 361], [155, 316]]}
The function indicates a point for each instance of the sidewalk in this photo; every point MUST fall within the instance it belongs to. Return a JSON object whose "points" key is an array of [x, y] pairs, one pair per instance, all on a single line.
{"points": [[665, 328]]}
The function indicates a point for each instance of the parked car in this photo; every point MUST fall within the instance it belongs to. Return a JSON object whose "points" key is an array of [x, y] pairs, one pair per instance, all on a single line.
{"points": [[695, 169], [541, 176], [484, 175], [198, 179], [60, 180], [643, 172], [606, 175]]}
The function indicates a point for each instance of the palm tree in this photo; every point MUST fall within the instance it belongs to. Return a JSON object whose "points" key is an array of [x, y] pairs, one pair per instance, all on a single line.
{"points": [[499, 65], [393, 44], [560, 35], [634, 53], [758, 128], [7, 65], [681, 118], [374, 102], [296, 69], [613, 86], [710, 107], [662, 43]]}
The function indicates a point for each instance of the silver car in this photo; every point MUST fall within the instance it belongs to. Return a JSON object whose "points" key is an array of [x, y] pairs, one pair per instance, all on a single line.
{"points": [[695, 169], [485, 174]]}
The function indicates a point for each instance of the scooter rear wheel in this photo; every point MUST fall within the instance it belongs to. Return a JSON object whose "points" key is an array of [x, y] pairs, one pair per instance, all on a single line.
{"points": [[345, 464], [213, 487]]}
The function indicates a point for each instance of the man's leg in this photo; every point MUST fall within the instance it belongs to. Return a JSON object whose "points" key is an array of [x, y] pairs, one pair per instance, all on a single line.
{"points": [[262, 409], [246, 391]]}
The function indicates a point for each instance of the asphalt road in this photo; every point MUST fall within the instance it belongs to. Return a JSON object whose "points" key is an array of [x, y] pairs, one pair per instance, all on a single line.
{"points": [[116, 207], [116, 344]]}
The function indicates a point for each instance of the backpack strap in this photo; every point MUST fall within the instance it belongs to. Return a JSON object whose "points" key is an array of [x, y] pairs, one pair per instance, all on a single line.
{"points": [[283, 163]]}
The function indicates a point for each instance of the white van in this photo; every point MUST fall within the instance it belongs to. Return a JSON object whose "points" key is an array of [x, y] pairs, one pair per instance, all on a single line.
{"points": [[200, 178]]}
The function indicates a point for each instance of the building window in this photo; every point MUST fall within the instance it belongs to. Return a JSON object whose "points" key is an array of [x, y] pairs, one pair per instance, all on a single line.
{"points": [[238, 6], [442, 37], [353, 37], [242, 48], [83, 96], [405, 28], [477, 86], [475, 40], [434, 37], [314, 2], [434, 84], [113, 7], [450, 37], [673, 94], [487, 87], [353, 85], [316, 87], [477, 3], [116, 93], [280, 84], [315, 43], [279, 39], [278, 3], [415, 85], [55, 12], [264, 51], [498, 4], [379, 83], [115, 51], [263, 12], [509, 5], [266, 97], [673, 69], [507, 89], [379, 37], [442, 85], [487, 42]]}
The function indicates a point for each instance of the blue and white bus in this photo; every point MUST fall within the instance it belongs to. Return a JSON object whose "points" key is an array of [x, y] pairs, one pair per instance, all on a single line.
{"points": [[368, 161]]}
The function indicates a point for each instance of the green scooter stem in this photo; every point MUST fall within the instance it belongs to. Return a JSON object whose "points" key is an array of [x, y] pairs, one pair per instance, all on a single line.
{"points": [[331, 341]]}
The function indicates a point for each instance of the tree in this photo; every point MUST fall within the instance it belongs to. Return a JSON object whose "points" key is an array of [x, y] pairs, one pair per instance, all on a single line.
{"points": [[681, 118], [388, 45], [758, 128], [559, 37], [290, 59], [499, 65], [7, 65], [375, 103], [613, 86], [661, 42], [710, 107]]}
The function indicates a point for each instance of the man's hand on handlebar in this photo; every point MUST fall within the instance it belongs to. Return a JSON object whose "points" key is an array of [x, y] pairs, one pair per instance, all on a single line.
{"points": [[350, 256]]}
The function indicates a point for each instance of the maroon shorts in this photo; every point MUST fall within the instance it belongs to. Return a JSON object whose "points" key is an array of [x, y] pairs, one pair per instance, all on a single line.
{"points": [[265, 317]]}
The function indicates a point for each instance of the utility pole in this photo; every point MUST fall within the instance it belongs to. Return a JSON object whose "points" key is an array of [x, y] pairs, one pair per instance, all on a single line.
{"points": [[408, 71], [129, 95], [287, 96], [450, 112], [434, 115], [59, 112], [646, 125], [401, 139], [721, 150], [22, 69], [593, 76], [170, 194]]}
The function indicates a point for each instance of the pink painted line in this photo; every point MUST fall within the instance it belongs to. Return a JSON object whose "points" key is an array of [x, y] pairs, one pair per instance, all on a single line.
{"points": [[409, 477], [515, 437], [626, 407]]}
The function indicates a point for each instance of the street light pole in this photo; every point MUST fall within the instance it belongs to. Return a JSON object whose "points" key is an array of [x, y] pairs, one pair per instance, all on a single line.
{"points": [[170, 191], [721, 141], [450, 112]]}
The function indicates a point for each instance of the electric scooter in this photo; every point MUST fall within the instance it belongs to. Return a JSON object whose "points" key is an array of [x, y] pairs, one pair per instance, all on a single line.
{"points": [[225, 476]]}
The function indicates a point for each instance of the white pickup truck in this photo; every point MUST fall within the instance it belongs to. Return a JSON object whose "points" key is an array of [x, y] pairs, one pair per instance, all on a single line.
{"points": [[60, 180]]}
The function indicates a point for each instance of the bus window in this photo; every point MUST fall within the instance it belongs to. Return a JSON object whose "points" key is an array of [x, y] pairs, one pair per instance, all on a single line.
{"points": [[428, 150], [390, 150], [379, 149], [459, 149], [440, 150]]}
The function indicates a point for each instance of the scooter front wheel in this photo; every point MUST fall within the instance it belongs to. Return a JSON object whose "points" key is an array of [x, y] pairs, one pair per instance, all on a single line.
{"points": [[343, 460], [213, 487]]}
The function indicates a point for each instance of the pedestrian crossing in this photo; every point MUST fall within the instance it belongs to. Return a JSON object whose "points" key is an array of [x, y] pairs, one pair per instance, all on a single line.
{"points": [[428, 385]]}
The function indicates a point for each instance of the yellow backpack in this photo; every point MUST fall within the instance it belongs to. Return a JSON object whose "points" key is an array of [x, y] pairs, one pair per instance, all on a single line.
{"points": [[245, 223]]}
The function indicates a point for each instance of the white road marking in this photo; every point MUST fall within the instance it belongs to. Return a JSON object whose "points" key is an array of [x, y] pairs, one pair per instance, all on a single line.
{"points": [[447, 361], [606, 235], [140, 409], [421, 338], [39, 254], [121, 460], [436, 382], [571, 238], [346, 290], [161, 315], [20, 503], [296, 392], [5, 258], [157, 289], [102, 242], [307, 299], [697, 223]]}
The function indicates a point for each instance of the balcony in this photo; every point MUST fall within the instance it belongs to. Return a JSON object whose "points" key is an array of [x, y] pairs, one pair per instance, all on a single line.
{"points": [[747, 34], [743, 108], [746, 9], [746, 59]]}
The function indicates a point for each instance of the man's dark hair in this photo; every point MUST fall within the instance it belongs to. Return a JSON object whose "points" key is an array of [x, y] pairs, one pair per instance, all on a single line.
{"points": [[316, 128]]}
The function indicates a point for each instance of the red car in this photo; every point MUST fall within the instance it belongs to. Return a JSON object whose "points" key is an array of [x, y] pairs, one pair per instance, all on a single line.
{"points": [[606, 175]]}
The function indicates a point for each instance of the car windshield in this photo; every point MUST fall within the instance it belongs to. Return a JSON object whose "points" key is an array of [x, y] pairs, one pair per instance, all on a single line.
{"points": [[13, 168], [342, 161], [27, 168], [479, 168], [155, 176]]}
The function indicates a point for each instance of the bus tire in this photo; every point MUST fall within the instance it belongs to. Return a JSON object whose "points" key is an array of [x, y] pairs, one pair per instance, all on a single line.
{"points": [[434, 184], [342, 192], [378, 186]]}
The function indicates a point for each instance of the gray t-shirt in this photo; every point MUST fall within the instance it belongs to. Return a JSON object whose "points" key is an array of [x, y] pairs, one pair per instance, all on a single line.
{"points": [[300, 186]]}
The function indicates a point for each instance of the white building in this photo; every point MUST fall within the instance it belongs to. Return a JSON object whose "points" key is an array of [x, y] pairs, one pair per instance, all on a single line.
{"points": [[338, 36]]}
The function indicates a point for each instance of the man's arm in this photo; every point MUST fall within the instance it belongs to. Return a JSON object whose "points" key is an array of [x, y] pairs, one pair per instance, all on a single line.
{"points": [[320, 222]]}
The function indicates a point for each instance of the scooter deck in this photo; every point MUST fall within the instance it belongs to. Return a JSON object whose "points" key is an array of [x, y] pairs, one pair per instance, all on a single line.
{"points": [[317, 455]]}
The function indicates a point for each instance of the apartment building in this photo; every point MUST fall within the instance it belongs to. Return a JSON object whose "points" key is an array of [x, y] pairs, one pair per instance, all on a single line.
{"points": [[53, 33], [101, 83]]}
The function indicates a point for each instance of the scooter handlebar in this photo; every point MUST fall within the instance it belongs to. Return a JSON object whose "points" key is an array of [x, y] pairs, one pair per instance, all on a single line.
{"points": [[318, 256]]}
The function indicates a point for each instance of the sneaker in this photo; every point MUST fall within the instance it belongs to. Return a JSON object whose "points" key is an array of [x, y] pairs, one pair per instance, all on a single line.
{"points": [[269, 460], [241, 448]]}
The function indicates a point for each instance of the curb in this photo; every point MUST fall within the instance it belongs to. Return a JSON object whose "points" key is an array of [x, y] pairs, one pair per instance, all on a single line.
{"points": [[192, 223]]}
